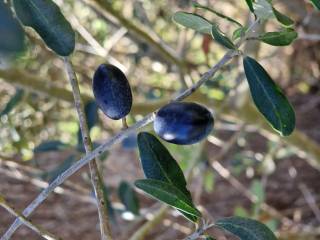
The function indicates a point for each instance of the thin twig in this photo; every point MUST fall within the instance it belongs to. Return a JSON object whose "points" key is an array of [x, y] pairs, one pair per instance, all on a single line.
{"points": [[116, 139], [96, 178], [42, 232], [310, 200]]}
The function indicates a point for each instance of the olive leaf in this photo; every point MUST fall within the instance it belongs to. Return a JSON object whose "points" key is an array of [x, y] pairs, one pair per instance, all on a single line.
{"points": [[128, 197], [283, 19], [283, 38], [13, 102], [263, 9], [246, 229], [250, 5], [157, 163], [221, 38], [197, 5], [45, 17], [269, 98], [316, 3], [239, 32], [168, 194], [51, 145], [12, 38], [193, 21]]}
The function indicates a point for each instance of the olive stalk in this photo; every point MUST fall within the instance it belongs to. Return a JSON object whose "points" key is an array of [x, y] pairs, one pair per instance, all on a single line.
{"points": [[120, 136], [96, 177]]}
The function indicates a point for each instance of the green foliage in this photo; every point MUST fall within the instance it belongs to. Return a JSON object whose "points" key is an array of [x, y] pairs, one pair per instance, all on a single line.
{"points": [[283, 38], [158, 164], [246, 229], [168, 194], [283, 19], [45, 17], [263, 9], [12, 38], [197, 5], [53, 145], [316, 4], [221, 38], [239, 32], [128, 197], [269, 98], [193, 21], [250, 5], [13, 102]]}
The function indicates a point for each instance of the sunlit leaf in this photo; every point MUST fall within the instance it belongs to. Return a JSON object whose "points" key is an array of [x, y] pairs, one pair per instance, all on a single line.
{"points": [[45, 17], [246, 229], [168, 194], [283, 38], [193, 21], [263, 9], [269, 98]]}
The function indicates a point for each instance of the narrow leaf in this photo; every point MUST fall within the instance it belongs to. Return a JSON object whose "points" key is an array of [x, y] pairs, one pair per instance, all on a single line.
{"points": [[128, 197], [13, 102], [250, 5], [316, 4], [282, 38], [221, 39], [12, 36], [45, 17], [283, 19], [157, 162], [239, 32], [263, 9], [168, 194], [246, 229], [269, 98], [197, 5], [193, 21], [52, 145]]}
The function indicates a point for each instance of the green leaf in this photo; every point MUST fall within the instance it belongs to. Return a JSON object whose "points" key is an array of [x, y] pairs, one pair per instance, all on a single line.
{"points": [[246, 229], [283, 38], [239, 32], [193, 21], [13, 102], [250, 5], [12, 36], [269, 98], [283, 19], [168, 194], [157, 162], [316, 3], [221, 39], [263, 9], [128, 197], [45, 17], [197, 5], [53, 145]]}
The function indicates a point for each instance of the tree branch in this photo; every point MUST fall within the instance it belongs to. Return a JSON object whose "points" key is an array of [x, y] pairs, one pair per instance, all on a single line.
{"points": [[42, 232], [96, 178]]}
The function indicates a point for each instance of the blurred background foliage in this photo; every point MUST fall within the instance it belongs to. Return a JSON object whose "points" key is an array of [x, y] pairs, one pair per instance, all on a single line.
{"points": [[39, 126]]}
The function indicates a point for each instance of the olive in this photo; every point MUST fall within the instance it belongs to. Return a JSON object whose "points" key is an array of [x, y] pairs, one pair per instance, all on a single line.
{"points": [[183, 123], [112, 91]]}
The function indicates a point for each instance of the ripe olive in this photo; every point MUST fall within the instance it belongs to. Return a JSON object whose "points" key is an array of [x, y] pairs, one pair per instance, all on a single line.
{"points": [[112, 91], [183, 123]]}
